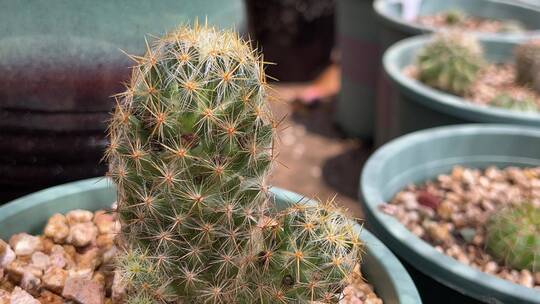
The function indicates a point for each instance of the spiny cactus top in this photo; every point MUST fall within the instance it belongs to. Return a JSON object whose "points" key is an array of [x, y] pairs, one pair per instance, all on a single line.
{"points": [[513, 236], [450, 62], [190, 148]]}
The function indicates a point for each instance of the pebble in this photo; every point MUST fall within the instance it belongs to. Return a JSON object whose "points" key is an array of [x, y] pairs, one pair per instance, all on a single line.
{"points": [[25, 244], [7, 255], [19, 296], [83, 291], [54, 279], [57, 228], [82, 234], [79, 216]]}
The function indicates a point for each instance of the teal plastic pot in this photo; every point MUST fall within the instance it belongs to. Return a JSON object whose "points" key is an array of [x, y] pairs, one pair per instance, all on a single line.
{"points": [[30, 213], [421, 156], [419, 106], [359, 45], [392, 28]]}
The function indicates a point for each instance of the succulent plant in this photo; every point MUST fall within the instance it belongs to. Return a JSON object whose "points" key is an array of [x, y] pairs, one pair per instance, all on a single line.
{"points": [[450, 62], [512, 103], [527, 57], [191, 144], [513, 236], [454, 17]]}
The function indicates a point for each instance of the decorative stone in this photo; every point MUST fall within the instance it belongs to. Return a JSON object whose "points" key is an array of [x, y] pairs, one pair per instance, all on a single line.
{"points": [[47, 297], [82, 234], [79, 216], [83, 291], [54, 279], [427, 199], [57, 228], [118, 289], [106, 223], [19, 296], [18, 268], [90, 259], [7, 255], [5, 297], [31, 283], [25, 244], [40, 260]]}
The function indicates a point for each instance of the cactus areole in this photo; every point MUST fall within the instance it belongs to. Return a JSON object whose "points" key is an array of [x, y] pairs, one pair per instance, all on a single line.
{"points": [[191, 145]]}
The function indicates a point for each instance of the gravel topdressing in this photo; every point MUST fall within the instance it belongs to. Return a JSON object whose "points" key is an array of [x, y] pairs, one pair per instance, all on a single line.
{"points": [[451, 211], [470, 23], [73, 262]]}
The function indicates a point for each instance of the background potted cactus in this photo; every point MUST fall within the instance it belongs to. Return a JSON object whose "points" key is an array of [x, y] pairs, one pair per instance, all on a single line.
{"points": [[450, 78], [451, 203], [191, 144]]}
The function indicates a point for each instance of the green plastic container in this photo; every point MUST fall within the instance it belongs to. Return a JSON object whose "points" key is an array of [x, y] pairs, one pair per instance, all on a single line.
{"points": [[359, 45], [392, 28], [30, 213], [419, 106], [423, 155]]}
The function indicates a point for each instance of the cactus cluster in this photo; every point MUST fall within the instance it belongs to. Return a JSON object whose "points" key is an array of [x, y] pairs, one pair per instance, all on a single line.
{"points": [[506, 101], [513, 236], [191, 145], [454, 17], [527, 57], [451, 62]]}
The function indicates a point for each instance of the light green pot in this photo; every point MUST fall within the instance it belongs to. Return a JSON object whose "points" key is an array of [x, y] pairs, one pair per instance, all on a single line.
{"points": [[421, 156], [30, 213], [419, 106]]}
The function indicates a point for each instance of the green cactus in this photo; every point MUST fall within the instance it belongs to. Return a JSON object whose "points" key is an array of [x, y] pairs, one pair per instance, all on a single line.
{"points": [[450, 62], [191, 144], [527, 57], [512, 103], [513, 236], [454, 17]]}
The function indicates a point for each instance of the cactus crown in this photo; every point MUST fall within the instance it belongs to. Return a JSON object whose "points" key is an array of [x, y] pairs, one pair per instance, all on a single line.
{"points": [[513, 236], [454, 17], [190, 149], [450, 62]]}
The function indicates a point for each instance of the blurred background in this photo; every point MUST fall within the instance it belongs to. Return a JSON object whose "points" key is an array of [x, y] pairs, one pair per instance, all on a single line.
{"points": [[60, 61]]}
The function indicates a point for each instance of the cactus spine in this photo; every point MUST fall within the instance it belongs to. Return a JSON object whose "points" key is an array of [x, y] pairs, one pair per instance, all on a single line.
{"points": [[513, 236], [191, 144], [450, 62]]}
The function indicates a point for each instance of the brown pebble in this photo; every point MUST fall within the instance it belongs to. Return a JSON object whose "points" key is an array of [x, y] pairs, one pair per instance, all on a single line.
{"points": [[83, 291], [54, 279], [57, 228]]}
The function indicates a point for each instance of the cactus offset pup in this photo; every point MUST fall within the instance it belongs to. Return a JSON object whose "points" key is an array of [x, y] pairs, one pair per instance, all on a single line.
{"points": [[190, 148], [513, 236]]}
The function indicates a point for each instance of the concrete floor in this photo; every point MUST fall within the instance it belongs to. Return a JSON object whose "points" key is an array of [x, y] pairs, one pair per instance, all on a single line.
{"points": [[314, 158]]}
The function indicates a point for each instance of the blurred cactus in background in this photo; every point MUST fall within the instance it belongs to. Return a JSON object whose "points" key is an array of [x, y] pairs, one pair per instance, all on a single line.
{"points": [[527, 58], [512, 103], [513, 236], [450, 62], [191, 144]]}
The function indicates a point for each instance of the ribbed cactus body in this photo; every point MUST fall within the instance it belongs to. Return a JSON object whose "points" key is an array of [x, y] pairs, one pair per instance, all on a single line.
{"points": [[513, 236], [450, 62], [527, 57], [191, 147]]}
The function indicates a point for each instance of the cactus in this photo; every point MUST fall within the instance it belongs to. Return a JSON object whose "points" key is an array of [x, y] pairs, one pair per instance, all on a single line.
{"points": [[450, 62], [512, 103], [454, 17], [191, 144], [527, 57], [513, 236]]}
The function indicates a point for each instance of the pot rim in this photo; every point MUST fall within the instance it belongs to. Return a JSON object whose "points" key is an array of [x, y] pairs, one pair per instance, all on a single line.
{"points": [[422, 255], [446, 102], [411, 28], [399, 278]]}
